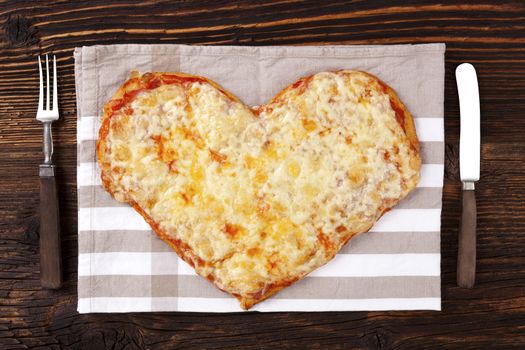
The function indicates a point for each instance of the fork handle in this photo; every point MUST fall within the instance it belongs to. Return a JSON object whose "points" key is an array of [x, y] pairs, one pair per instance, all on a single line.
{"points": [[50, 258]]}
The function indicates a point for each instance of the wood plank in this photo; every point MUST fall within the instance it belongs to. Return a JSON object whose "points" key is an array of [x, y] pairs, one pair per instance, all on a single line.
{"points": [[489, 34]]}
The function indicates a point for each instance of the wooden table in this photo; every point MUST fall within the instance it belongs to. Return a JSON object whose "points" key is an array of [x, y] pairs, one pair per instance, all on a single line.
{"points": [[492, 37]]}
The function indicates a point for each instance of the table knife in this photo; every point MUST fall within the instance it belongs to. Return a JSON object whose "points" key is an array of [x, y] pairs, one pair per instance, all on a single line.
{"points": [[469, 158]]}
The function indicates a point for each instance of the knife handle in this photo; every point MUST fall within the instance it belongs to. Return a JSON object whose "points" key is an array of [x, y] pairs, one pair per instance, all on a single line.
{"points": [[50, 258], [467, 241]]}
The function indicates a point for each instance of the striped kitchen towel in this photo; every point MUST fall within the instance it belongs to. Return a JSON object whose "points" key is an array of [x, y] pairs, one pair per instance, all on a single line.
{"points": [[124, 267]]}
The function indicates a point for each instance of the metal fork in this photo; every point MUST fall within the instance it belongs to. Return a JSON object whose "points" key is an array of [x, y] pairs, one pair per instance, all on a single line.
{"points": [[50, 256]]}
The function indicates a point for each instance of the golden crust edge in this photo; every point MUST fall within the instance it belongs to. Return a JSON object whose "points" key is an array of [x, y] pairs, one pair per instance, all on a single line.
{"points": [[409, 128]]}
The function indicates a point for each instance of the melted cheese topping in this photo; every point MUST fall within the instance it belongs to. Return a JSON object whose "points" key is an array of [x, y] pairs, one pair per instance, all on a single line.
{"points": [[262, 197]]}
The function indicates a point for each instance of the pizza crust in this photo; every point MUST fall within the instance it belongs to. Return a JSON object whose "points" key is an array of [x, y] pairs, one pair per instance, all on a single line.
{"points": [[138, 83]]}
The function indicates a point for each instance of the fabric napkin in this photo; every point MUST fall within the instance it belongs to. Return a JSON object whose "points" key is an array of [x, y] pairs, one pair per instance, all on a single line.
{"points": [[124, 267]]}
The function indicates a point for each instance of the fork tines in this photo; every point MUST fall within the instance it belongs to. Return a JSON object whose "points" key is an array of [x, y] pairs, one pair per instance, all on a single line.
{"points": [[47, 114]]}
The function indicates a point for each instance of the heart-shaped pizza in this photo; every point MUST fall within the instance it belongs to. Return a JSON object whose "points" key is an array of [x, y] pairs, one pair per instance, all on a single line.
{"points": [[256, 198]]}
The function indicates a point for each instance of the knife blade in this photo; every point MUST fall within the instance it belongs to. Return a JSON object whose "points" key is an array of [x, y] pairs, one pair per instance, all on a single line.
{"points": [[469, 168]]}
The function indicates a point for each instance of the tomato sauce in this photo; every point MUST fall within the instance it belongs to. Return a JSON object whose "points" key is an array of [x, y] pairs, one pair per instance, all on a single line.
{"points": [[150, 84]]}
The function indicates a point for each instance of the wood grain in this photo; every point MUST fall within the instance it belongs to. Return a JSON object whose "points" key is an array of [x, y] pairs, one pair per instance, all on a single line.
{"points": [[466, 273], [489, 34], [50, 243]]}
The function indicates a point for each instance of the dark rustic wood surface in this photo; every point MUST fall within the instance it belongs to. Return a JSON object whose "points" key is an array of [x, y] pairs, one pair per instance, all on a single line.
{"points": [[490, 34]]}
